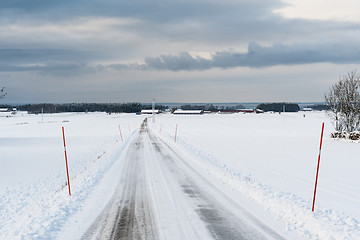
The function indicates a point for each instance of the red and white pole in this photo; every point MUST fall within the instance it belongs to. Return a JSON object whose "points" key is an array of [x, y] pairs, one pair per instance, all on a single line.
{"points": [[176, 132], [67, 169], [318, 165], [120, 133]]}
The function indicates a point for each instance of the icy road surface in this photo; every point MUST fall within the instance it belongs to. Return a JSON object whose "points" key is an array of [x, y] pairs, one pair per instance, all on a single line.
{"points": [[161, 196]]}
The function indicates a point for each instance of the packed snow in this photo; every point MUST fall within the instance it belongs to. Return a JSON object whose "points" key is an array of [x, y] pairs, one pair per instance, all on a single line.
{"points": [[266, 162]]}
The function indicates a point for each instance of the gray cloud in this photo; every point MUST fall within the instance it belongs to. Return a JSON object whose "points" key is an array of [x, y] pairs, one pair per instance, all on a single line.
{"points": [[52, 61], [216, 22], [184, 61], [17, 55], [156, 10], [257, 56], [58, 61]]}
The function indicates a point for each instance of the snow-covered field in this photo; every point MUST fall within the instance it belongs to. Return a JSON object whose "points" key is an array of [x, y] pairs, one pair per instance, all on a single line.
{"points": [[266, 162]]}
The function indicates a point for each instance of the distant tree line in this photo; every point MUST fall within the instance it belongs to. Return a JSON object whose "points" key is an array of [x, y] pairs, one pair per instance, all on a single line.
{"points": [[85, 107], [319, 107], [279, 107], [211, 107], [157, 106], [6, 106]]}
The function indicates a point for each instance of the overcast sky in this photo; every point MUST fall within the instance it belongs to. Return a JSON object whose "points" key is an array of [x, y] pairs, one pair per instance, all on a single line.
{"points": [[176, 51]]}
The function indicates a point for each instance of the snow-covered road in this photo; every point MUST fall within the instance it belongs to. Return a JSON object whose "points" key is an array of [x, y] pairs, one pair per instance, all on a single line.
{"points": [[161, 196]]}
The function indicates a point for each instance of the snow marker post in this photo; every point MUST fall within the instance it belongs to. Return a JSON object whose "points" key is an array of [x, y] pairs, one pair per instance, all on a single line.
{"points": [[175, 132], [120, 133], [318, 165], [67, 169]]}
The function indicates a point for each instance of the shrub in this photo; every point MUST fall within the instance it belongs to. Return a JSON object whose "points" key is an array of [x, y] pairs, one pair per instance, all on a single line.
{"points": [[338, 135], [354, 136]]}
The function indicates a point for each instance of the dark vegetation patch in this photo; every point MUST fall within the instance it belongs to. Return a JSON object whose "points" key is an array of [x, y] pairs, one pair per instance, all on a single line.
{"points": [[279, 107]]}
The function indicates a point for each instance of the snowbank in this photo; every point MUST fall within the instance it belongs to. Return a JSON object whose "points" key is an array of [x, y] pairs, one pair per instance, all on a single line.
{"points": [[271, 159], [34, 202], [268, 159]]}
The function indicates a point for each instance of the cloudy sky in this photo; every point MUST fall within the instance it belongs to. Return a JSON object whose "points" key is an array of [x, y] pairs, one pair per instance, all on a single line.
{"points": [[176, 51]]}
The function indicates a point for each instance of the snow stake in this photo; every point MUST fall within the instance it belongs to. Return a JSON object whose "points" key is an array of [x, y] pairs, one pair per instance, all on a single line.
{"points": [[67, 169], [175, 132], [120, 133], [318, 165]]}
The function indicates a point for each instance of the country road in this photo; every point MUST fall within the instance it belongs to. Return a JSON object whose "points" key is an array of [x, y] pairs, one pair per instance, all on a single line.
{"points": [[161, 196]]}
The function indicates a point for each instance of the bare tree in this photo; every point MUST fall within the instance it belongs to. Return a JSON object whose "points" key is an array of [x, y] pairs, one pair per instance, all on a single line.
{"points": [[2, 92], [343, 99], [333, 102], [351, 106]]}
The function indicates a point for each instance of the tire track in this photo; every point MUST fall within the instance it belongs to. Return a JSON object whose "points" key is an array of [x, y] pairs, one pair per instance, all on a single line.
{"points": [[130, 214], [224, 218], [193, 207]]}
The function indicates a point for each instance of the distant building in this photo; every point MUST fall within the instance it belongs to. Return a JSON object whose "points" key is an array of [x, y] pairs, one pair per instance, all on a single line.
{"points": [[225, 112], [149, 111], [4, 110], [251, 110], [188, 112], [246, 110]]}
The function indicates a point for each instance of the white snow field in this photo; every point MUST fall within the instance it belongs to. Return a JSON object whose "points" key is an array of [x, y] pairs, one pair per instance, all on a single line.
{"points": [[260, 168]]}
